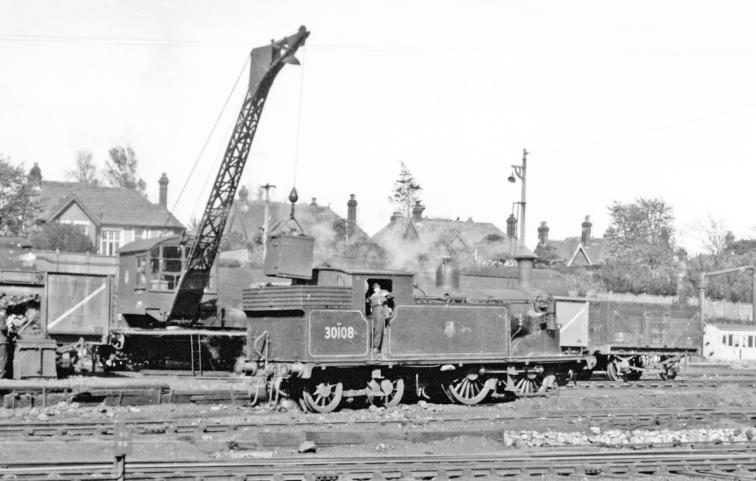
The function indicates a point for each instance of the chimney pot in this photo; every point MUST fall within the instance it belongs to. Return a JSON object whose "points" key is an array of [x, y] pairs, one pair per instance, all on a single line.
{"points": [[163, 197], [585, 236], [351, 216], [314, 201], [543, 234], [511, 226]]}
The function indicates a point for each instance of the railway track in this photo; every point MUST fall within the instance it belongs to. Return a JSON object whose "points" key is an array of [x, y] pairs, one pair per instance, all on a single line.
{"points": [[352, 430], [243, 394], [654, 384], [726, 462]]}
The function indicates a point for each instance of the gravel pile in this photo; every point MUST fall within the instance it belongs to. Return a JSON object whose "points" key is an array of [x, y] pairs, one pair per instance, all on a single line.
{"points": [[637, 437]]}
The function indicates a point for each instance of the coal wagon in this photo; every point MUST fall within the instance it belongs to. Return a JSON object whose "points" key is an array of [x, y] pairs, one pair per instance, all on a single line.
{"points": [[58, 307], [629, 339]]}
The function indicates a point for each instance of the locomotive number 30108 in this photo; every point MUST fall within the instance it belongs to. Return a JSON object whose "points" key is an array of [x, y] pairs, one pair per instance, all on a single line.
{"points": [[339, 332]]}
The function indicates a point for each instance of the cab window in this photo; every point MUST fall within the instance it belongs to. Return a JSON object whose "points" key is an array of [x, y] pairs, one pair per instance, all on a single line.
{"points": [[165, 267]]}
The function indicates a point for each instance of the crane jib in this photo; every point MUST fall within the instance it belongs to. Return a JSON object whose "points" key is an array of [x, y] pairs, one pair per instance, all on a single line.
{"points": [[265, 63]]}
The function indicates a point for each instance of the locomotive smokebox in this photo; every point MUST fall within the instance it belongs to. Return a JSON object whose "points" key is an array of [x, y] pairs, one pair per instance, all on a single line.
{"points": [[447, 275], [290, 256]]}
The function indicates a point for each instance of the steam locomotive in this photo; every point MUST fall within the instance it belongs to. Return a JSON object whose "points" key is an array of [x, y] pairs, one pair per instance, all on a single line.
{"points": [[311, 340]]}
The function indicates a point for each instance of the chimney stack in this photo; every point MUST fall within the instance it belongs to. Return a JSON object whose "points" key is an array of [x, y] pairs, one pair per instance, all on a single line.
{"points": [[543, 234], [417, 212], [35, 176], [163, 200], [243, 194], [314, 202], [351, 215], [511, 226], [395, 215], [585, 236]]}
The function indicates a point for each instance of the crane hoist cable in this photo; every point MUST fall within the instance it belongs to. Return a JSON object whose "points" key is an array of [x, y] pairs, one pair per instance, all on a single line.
{"points": [[207, 140]]}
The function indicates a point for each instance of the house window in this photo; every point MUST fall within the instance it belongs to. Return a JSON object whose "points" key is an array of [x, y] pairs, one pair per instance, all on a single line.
{"points": [[140, 233], [110, 241], [730, 340], [724, 339], [750, 341]]}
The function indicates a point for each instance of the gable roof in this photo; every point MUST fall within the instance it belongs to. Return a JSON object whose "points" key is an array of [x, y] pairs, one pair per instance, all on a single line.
{"points": [[115, 206], [573, 251], [408, 240]]}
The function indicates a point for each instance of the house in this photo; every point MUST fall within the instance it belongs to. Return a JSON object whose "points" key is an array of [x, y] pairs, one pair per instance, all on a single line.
{"points": [[339, 242], [583, 251], [419, 243], [109, 216]]}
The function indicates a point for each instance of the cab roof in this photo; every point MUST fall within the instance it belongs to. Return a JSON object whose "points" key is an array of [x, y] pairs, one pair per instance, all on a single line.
{"points": [[143, 245]]}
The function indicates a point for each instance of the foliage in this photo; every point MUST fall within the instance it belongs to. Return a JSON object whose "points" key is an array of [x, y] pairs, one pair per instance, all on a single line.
{"points": [[644, 222], [406, 192], [61, 237], [583, 281], [18, 208], [641, 247], [121, 169], [546, 256], [734, 287], [85, 171]]}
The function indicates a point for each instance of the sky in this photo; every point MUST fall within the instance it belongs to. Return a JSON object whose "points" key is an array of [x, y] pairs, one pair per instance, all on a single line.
{"points": [[613, 100]]}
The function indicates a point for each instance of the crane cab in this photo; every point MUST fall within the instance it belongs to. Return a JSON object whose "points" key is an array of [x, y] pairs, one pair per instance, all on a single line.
{"points": [[149, 273]]}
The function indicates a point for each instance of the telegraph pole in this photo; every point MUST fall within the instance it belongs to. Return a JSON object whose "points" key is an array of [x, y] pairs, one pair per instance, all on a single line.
{"points": [[266, 218], [523, 177], [520, 171]]}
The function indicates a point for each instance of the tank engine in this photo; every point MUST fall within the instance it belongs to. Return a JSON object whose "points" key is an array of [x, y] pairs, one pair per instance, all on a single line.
{"points": [[312, 339]]}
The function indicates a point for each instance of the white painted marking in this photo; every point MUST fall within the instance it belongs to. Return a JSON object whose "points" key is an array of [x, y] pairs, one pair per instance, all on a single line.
{"points": [[76, 306], [574, 318]]}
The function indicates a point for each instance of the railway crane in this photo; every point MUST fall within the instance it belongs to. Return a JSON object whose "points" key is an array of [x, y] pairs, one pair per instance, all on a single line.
{"points": [[168, 284], [266, 62]]}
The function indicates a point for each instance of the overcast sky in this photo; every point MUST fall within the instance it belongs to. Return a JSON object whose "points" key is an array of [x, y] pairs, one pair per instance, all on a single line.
{"points": [[614, 100]]}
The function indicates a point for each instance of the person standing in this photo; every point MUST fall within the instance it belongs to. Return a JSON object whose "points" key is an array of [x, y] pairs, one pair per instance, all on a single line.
{"points": [[379, 312]]}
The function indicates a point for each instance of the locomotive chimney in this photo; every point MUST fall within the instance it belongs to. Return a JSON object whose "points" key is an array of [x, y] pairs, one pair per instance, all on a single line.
{"points": [[351, 215], [585, 236], [163, 199], [543, 234], [524, 260]]}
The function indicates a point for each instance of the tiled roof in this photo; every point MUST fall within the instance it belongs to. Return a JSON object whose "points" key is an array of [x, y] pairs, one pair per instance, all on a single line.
{"points": [[567, 249], [109, 205], [328, 228], [434, 238]]}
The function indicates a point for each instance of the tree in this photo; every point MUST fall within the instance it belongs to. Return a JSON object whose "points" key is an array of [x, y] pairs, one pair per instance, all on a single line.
{"points": [[646, 221], [18, 208], [121, 169], [406, 190], [641, 249], [85, 171], [61, 237]]}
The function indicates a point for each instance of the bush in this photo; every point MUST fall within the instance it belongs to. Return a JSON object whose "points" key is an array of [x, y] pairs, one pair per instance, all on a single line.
{"points": [[61, 237]]}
